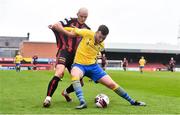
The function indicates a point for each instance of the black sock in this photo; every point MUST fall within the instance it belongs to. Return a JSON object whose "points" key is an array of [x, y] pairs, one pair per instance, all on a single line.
{"points": [[52, 85], [71, 89]]}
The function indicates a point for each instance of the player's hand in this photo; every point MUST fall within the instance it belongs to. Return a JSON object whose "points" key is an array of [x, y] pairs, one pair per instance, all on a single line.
{"points": [[73, 26], [50, 26]]}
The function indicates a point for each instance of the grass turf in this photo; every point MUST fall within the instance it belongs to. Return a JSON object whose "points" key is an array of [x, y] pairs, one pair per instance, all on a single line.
{"points": [[24, 93]]}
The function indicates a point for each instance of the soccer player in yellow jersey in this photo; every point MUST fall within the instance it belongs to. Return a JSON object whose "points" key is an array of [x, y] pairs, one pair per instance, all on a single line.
{"points": [[142, 62], [17, 60], [85, 63]]}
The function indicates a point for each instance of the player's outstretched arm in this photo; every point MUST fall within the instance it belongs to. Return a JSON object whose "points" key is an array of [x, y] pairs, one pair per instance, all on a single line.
{"points": [[69, 31], [58, 27]]}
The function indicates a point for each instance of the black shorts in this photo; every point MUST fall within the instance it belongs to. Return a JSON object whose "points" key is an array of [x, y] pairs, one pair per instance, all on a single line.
{"points": [[34, 62], [124, 65], [103, 64], [171, 67], [65, 58]]}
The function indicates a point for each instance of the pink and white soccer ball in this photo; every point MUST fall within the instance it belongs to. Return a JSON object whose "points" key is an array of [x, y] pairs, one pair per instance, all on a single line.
{"points": [[101, 101]]}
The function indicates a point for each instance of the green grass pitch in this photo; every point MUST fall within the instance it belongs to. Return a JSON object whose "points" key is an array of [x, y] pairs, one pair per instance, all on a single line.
{"points": [[24, 93]]}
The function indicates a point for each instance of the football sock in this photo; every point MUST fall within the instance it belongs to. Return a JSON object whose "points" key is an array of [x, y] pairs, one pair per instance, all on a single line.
{"points": [[121, 92], [19, 69], [77, 87], [52, 86], [71, 89]]}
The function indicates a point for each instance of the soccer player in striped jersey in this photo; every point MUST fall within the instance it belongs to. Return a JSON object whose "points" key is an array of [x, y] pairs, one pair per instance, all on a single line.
{"points": [[85, 63], [103, 61], [124, 64], [66, 51], [172, 63]]}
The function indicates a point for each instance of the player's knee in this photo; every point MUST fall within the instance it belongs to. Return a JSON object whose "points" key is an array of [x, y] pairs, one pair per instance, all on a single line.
{"points": [[59, 74], [75, 77], [76, 74], [112, 85]]}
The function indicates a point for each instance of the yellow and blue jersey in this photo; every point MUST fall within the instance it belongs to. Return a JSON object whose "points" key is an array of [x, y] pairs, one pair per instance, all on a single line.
{"points": [[87, 50], [18, 59], [142, 62]]}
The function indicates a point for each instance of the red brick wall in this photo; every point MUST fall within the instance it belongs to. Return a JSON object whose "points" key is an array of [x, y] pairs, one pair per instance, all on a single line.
{"points": [[41, 49]]}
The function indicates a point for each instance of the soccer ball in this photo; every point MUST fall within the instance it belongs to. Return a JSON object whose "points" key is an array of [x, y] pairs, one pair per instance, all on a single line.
{"points": [[101, 101]]}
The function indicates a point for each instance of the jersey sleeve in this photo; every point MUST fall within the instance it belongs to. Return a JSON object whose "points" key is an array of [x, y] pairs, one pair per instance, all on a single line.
{"points": [[79, 32], [66, 22], [69, 29]]}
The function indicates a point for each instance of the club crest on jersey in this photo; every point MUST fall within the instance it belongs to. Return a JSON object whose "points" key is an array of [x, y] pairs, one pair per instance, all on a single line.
{"points": [[88, 42], [97, 47]]}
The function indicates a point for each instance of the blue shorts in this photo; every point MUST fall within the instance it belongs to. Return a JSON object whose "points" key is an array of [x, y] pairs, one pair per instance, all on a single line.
{"points": [[94, 71], [141, 67], [18, 64]]}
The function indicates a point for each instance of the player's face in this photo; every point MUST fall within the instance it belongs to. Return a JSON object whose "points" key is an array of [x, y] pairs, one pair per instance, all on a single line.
{"points": [[82, 16], [99, 37]]}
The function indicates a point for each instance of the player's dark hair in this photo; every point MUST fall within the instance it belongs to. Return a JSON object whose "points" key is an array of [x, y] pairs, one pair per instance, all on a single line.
{"points": [[104, 29]]}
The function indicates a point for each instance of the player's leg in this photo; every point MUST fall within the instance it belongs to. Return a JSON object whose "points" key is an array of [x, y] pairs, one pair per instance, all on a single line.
{"points": [[108, 82], [16, 67], [69, 90], [19, 67], [141, 69], [103, 66], [59, 72], [111, 84], [99, 75], [125, 67], [34, 65], [171, 68], [77, 72]]}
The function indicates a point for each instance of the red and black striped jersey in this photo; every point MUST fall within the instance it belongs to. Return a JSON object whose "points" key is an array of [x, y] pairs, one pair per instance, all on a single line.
{"points": [[103, 59], [172, 62], [65, 42]]}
